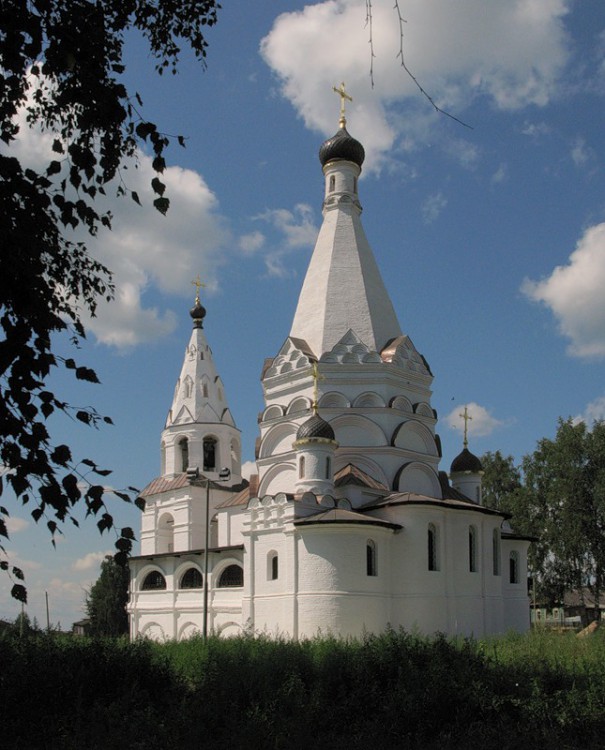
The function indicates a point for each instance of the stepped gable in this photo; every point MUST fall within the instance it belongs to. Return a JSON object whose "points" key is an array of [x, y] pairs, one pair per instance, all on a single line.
{"points": [[350, 350], [353, 475], [402, 352], [294, 355]]}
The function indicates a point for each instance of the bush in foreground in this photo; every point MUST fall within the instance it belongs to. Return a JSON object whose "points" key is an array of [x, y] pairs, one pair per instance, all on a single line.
{"points": [[395, 690]]}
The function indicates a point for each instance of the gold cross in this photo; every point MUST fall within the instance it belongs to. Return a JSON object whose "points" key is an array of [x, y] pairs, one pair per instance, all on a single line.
{"points": [[466, 416], [197, 284], [316, 378], [343, 97]]}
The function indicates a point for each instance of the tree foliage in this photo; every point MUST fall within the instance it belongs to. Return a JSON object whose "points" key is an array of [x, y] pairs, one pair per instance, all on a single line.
{"points": [[501, 479], [61, 71], [106, 601], [558, 497]]}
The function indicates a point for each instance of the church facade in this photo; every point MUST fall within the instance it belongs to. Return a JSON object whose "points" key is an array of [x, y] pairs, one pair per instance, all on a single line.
{"points": [[349, 526]]}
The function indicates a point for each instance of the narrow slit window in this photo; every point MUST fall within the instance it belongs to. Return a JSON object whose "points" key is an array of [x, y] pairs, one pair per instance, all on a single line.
{"points": [[371, 558], [433, 562], [472, 549]]}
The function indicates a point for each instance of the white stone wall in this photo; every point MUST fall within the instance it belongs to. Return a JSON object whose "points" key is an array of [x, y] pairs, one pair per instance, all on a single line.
{"points": [[175, 613]]}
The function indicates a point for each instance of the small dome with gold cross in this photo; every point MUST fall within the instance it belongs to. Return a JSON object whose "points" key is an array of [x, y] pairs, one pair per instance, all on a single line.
{"points": [[315, 427]]}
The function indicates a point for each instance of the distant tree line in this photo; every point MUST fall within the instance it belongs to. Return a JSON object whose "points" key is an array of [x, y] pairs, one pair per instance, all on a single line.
{"points": [[557, 494]]}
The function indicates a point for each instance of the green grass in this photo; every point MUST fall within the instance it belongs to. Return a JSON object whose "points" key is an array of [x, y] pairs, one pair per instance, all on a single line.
{"points": [[397, 690]]}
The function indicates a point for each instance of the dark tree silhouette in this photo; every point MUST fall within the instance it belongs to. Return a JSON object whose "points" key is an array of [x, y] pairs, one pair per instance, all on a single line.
{"points": [[61, 70]]}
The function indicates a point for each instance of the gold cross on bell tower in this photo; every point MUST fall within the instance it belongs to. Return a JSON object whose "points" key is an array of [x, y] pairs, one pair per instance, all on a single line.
{"points": [[197, 284], [466, 416], [343, 98], [316, 378]]}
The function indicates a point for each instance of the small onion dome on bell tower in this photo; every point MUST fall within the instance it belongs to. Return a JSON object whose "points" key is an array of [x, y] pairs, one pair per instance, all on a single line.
{"points": [[315, 445], [342, 146], [466, 470], [198, 311], [315, 428], [466, 462]]}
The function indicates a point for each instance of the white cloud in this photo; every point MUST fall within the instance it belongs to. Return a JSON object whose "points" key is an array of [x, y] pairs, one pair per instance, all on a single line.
{"points": [[594, 412], [296, 226], [499, 175], [251, 243], [580, 152], [14, 524], [249, 468], [432, 207], [535, 129], [144, 250], [91, 561], [464, 153], [480, 424], [512, 53], [294, 229], [574, 294]]}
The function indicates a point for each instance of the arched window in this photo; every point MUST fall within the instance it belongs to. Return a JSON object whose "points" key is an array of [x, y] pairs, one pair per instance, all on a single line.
{"points": [[371, 569], [301, 467], [209, 454], [354, 184], [433, 558], [154, 581], [191, 579], [231, 577], [513, 566], [205, 390], [332, 183], [496, 551], [472, 549], [272, 566], [184, 451], [328, 467]]}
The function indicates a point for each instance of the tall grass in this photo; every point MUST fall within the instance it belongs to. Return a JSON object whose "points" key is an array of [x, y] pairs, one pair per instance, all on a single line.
{"points": [[396, 690]]}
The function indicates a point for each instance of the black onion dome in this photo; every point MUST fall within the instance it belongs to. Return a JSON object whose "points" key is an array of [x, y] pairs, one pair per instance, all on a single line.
{"points": [[342, 146], [315, 427], [198, 313], [466, 461]]}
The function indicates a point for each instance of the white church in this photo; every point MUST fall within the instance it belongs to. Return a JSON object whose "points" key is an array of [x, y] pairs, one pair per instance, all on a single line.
{"points": [[349, 526]]}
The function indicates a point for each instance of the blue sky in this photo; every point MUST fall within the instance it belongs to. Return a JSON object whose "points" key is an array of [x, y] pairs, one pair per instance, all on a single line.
{"points": [[491, 239]]}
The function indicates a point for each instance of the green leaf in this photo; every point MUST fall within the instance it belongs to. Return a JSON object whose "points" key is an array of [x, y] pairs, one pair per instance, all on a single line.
{"points": [[53, 168], [19, 593], [162, 205], [158, 186], [135, 197], [61, 455], [85, 373], [159, 164]]}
